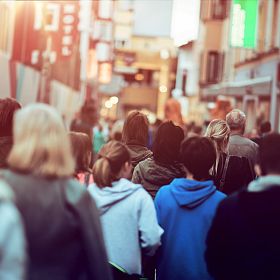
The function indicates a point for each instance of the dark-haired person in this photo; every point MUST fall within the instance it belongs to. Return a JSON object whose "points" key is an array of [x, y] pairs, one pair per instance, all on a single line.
{"points": [[185, 209], [82, 152], [135, 136], [160, 170], [8, 106], [243, 242], [127, 212]]}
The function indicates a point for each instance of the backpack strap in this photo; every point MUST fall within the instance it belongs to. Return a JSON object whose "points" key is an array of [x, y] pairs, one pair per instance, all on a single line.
{"points": [[223, 178]]}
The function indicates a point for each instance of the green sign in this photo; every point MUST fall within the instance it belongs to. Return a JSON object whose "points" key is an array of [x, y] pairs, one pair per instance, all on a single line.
{"points": [[244, 16]]}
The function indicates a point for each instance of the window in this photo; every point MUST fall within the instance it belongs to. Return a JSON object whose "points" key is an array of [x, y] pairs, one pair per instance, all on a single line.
{"points": [[214, 9], [215, 65], [219, 9]]}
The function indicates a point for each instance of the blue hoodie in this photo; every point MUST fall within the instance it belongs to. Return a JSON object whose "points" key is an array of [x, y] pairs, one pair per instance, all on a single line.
{"points": [[185, 209]]}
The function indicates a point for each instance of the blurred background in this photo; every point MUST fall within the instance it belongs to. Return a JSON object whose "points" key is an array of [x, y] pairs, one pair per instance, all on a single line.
{"points": [[209, 55]]}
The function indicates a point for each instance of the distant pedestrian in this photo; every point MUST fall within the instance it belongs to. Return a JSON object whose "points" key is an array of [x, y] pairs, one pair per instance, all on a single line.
{"points": [[82, 152], [243, 242], [185, 209], [238, 144], [126, 210], [8, 106], [164, 166], [230, 173], [135, 136], [60, 218]]}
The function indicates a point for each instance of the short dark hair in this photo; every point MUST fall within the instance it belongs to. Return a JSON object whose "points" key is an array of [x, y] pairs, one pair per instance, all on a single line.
{"points": [[166, 147], [265, 127], [135, 130], [198, 155], [8, 106], [81, 147], [270, 153]]}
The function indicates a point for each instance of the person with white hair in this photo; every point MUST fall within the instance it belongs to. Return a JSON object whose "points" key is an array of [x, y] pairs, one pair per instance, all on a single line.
{"points": [[62, 226], [239, 145]]}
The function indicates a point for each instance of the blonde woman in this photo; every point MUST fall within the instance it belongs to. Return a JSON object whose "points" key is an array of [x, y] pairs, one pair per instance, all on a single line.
{"points": [[61, 221], [230, 173], [127, 211]]}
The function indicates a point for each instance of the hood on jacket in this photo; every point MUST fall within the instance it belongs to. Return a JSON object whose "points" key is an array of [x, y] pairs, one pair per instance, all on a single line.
{"points": [[160, 174], [6, 193], [264, 182], [106, 197], [190, 193], [138, 153]]}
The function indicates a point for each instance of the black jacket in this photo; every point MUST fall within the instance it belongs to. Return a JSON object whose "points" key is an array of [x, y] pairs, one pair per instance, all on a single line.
{"points": [[243, 242], [152, 175], [238, 174], [62, 228]]}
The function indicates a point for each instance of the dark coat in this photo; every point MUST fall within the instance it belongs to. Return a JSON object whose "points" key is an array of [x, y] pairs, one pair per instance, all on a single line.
{"points": [[243, 241], [238, 174], [62, 227], [152, 175]]}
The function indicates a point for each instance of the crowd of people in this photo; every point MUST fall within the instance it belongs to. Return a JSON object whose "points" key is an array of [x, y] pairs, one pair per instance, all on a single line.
{"points": [[170, 206]]}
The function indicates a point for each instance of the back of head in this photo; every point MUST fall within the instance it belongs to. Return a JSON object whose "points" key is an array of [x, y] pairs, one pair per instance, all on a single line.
{"points": [[218, 131], [265, 127], [8, 106], [198, 156], [112, 157], [270, 154], [236, 120], [81, 149], [41, 144], [135, 129], [166, 147]]}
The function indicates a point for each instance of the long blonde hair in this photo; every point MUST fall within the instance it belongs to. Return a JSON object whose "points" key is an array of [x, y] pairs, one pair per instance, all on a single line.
{"points": [[41, 144], [218, 131], [112, 157]]}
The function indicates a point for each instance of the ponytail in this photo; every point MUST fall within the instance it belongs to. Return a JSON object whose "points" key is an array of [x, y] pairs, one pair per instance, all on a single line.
{"points": [[112, 157]]}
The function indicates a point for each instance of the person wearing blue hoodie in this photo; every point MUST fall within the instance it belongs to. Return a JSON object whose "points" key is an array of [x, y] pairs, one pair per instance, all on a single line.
{"points": [[127, 212], [185, 209]]}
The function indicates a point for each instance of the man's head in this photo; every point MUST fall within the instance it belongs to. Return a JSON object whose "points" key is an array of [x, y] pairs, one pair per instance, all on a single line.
{"points": [[236, 121], [270, 154], [265, 127], [198, 155], [8, 106]]}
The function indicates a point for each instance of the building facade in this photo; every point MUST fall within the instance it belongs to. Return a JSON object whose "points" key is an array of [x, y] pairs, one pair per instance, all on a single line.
{"points": [[248, 78]]}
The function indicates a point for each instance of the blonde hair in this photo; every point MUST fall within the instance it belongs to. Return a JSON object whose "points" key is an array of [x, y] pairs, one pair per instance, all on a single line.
{"points": [[218, 131], [41, 144], [106, 169]]}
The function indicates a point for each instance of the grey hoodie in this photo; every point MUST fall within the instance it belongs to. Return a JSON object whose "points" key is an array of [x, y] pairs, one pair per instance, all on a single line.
{"points": [[129, 223]]}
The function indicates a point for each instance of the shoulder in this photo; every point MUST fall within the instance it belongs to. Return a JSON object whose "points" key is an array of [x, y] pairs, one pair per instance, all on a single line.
{"points": [[163, 192], [74, 191]]}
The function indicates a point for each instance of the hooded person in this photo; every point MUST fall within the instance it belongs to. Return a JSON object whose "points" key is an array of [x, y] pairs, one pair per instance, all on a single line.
{"points": [[185, 209], [126, 210], [160, 170], [135, 136]]}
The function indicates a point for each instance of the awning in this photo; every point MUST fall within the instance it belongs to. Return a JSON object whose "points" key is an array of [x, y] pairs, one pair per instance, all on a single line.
{"points": [[258, 87]]}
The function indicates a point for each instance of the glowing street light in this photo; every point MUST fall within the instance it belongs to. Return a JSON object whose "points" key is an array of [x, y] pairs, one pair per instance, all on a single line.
{"points": [[108, 104], [114, 100]]}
